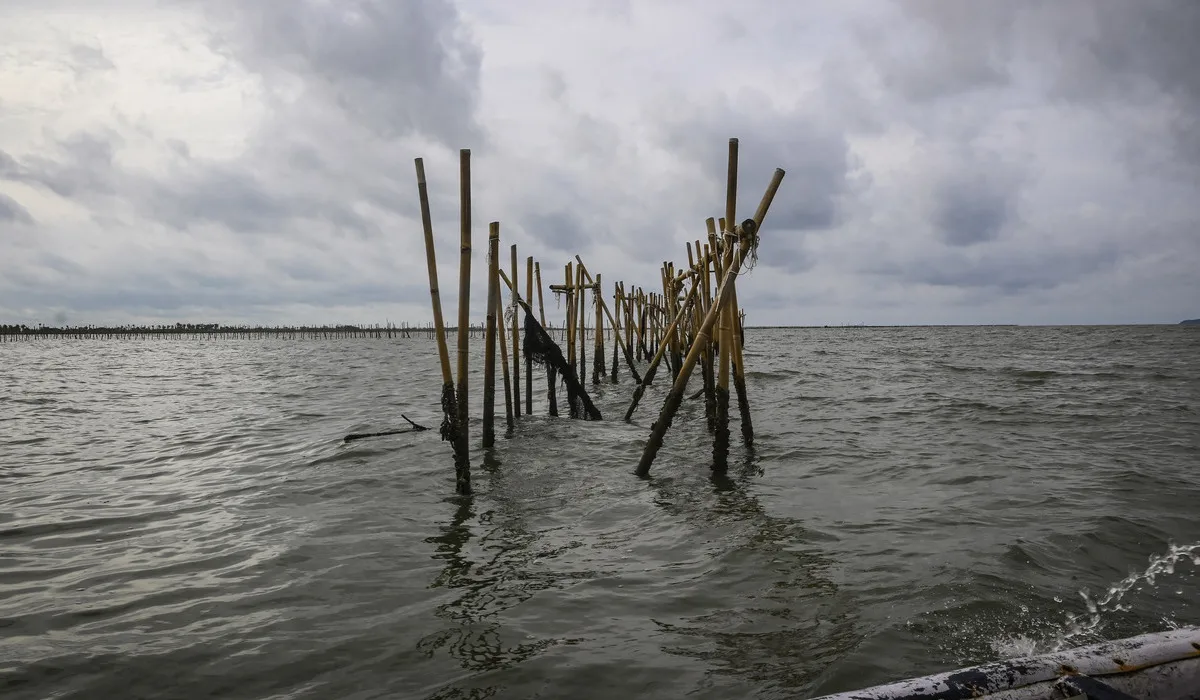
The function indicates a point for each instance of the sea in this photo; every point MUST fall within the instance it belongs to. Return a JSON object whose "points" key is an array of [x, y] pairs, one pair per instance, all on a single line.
{"points": [[180, 517]]}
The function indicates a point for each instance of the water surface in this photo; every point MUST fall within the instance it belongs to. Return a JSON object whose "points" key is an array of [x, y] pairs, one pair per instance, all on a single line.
{"points": [[180, 519]]}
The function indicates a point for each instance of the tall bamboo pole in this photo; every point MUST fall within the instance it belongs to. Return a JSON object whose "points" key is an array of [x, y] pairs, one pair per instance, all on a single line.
{"points": [[431, 261], [449, 428], [508, 412], [516, 338], [463, 465], [537, 273], [739, 372], [598, 347], [529, 359], [569, 331], [581, 297], [674, 398], [724, 331], [489, 343], [551, 380]]}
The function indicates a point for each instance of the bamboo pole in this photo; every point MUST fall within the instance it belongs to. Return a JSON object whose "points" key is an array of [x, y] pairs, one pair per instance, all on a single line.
{"points": [[551, 398], [449, 428], [537, 273], [724, 332], [569, 330], [615, 320], [587, 276], [649, 377], [489, 343], [674, 398], [528, 360], [598, 347], [508, 412], [516, 338], [431, 262], [463, 465], [739, 372], [581, 297]]}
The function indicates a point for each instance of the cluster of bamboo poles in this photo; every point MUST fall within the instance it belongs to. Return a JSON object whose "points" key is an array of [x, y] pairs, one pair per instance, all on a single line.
{"points": [[692, 319]]}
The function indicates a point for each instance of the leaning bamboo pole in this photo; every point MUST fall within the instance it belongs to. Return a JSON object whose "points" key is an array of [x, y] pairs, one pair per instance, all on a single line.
{"points": [[502, 331], [462, 467], [749, 234], [489, 343], [658, 357], [551, 398], [449, 429]]}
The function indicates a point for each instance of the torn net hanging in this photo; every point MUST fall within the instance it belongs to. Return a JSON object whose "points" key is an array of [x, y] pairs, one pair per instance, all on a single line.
{"points": [[540, 348]]}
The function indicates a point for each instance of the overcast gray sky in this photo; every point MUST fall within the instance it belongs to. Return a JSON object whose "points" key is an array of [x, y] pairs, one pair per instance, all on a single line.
{"points": [[999, 161]]}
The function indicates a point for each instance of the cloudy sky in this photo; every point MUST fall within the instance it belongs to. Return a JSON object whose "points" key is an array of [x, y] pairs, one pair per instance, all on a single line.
{"points": [[948, 162]]}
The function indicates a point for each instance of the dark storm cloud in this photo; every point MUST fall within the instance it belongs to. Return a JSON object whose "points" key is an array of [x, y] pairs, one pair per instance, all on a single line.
{"points": [[1093, 53], [12, 211], [87, 59], [816, 158], [84, 166], [975, 201], [1007, 271], [395, 67], [558, 230]]}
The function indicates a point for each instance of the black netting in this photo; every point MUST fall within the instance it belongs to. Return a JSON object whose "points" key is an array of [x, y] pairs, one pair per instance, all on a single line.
{"points": [[541, 349], [449, 429]]}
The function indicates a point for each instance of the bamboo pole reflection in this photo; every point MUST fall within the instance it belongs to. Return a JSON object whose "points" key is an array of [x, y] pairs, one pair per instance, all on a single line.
{"points": [[784, 635]]}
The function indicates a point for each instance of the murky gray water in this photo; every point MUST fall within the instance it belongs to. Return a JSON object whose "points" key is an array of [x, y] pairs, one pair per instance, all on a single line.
{"points": [[180, 519]]}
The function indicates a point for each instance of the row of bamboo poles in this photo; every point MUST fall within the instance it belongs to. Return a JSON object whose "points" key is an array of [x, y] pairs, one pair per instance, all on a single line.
{"points": [[691, 319]]}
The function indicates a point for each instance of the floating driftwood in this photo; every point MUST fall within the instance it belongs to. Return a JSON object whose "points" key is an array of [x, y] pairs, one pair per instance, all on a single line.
{"points": [[413, 428]]}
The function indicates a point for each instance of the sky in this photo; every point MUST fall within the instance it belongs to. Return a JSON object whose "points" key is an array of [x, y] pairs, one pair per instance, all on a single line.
{"points": [[252, 162]]}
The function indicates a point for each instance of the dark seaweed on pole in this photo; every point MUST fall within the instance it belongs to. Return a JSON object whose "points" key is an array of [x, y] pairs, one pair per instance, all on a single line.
{"points": [[541, 349]]}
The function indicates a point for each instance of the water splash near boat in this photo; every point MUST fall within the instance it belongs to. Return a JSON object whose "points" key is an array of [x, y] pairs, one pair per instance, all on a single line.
{"points": [[1086, 627]]}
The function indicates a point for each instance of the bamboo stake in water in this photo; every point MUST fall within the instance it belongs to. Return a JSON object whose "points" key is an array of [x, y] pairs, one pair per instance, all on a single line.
{"points": [[569, 331], [489, 343], [587, 277], [750, 230], [724, 332], [528, 360], [739, 373], [649, 377], [598, 347], [581, 339], [516, 338], [551, 399], [449, 429], [508, 413], [431, 261], [462, 467]]}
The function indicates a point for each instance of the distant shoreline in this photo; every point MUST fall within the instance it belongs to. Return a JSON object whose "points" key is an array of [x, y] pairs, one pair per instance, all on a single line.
{"points": [[409, 330]]}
